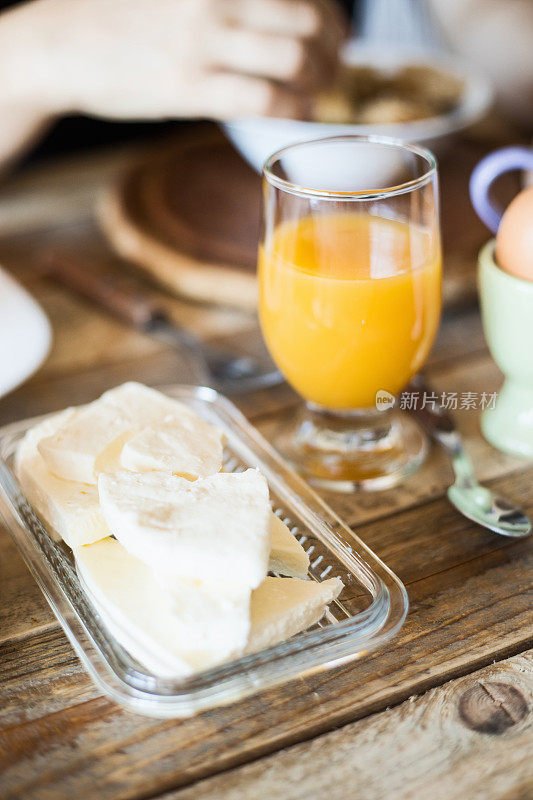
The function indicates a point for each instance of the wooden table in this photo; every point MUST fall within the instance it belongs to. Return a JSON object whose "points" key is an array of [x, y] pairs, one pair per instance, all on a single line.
{"points": [[444, 711]]}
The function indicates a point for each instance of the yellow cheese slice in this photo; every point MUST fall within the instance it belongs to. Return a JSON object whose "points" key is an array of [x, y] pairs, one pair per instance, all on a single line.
{"points": [[193, 627], [282, 607], [173, 632], [287, 556], [71, 510], [191, 448], [73, 451]]}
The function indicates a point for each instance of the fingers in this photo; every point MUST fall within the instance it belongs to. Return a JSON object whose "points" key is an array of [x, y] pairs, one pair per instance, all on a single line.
{"points": [[334, 20], [318, 21], [265, 57], [229, 95], [288, 17], [295, 62], [305, 18]]}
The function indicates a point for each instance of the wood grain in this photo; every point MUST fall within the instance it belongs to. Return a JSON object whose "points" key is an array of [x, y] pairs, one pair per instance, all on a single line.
{"points": [[470, 591], [448, 630], [420, 749], [200, 242], [61, 191], [492, 707], [92, 352], [470, 604], [45, 395], [23, 608], [477, 375]]}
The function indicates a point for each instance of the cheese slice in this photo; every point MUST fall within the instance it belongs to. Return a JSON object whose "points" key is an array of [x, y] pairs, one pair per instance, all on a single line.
{"points": [[287, 556], [70, 510], [215, 529], [173, 632], [282, 607], [109, 459], [162, 664], [72, 452], [191, 448]]}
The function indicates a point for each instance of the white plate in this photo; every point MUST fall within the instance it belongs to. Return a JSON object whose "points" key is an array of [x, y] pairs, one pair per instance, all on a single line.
{"points": [[25, 334]]}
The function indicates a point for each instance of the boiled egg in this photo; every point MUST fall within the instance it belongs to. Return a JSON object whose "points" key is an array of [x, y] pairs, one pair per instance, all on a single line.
{"points": [[514, 240]]}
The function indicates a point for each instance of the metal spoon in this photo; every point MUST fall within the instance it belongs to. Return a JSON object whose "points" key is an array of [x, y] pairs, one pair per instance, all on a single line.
{"points": [[230, 373], [472, 499]]}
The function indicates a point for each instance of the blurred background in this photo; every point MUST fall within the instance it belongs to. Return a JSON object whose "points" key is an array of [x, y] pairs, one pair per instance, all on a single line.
{"points": [[493, 35], [133, 134]]}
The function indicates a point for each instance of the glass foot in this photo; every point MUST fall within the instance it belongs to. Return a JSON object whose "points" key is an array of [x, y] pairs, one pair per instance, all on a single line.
{"points": [[358, 450]]}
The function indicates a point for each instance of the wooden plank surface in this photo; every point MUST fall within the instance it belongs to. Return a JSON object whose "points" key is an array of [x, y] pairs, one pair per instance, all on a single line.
{"points": [[118, 755], [470, 591], [470, 604], [470, 738]]}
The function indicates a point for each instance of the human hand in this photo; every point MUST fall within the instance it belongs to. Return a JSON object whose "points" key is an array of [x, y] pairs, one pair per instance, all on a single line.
{"points": [[151, 59]]}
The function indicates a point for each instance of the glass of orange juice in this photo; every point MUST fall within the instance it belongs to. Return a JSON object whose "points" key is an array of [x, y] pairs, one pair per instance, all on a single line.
{"points": [[350, 297]]}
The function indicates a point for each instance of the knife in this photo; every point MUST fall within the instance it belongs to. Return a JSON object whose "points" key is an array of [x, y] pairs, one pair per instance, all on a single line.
{"points": [[122, 297]]}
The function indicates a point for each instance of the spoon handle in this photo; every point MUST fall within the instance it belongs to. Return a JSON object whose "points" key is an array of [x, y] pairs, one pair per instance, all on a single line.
{"points": [[441, 427], [472, 499]]}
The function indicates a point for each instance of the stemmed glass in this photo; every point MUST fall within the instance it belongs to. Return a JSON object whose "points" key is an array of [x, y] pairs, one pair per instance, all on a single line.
{"points": [[350, 277]]}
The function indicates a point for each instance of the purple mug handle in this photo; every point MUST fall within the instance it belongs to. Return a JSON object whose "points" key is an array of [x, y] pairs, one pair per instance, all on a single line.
{"points": [[484, 175]]}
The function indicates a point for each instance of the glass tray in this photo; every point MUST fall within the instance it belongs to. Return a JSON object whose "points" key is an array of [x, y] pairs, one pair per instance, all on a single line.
{"points": [[369, 611]]}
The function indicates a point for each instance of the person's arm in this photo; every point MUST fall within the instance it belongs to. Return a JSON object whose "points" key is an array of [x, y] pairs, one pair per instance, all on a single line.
{"points": [[21, 129], [156, 59], [25, 112], [497, 36]]}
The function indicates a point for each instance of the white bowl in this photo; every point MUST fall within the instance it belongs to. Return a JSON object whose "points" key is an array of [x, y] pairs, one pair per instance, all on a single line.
{"points": [[257, 138]]}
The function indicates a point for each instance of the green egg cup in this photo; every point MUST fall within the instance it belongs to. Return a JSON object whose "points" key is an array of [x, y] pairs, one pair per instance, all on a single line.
{"points": [[507, 314]]}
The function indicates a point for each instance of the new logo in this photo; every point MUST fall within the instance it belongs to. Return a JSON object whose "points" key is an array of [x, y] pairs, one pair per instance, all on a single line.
{"points": [[384, 400]]}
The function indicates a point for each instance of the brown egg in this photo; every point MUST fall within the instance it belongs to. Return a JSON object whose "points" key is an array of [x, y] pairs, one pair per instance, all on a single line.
{"points": [[514, 241]]}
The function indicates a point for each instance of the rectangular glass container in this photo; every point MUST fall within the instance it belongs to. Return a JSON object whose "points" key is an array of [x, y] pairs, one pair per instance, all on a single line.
{"points": [[369, 611]]}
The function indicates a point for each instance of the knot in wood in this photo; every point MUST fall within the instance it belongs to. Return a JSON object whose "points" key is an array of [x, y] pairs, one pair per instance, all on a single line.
{"points": [[492, 707]]}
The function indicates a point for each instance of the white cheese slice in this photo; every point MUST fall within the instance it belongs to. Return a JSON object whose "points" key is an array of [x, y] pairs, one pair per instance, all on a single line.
{"points": [[109, 459], [287, 556], [142, 649], [215, 529], [72, 451], [282, 607], [70, 510], [173, 632], [191, 448]]}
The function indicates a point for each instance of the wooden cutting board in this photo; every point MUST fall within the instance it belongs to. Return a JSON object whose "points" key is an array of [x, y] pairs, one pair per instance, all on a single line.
{"points": [[189, 216]]}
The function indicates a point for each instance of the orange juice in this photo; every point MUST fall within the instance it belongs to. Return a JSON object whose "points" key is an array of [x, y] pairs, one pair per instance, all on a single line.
{"points": [[349, 304]]}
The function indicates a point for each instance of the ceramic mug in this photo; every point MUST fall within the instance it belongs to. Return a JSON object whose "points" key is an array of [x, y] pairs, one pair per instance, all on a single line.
{"points": [[507, 315]]}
